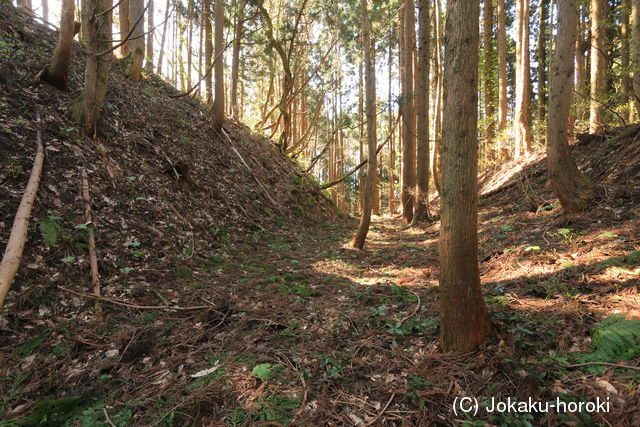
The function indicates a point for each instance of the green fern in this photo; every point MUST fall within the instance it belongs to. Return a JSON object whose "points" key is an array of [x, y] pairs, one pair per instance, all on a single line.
{"points": [[613, 339], [50, 229]]}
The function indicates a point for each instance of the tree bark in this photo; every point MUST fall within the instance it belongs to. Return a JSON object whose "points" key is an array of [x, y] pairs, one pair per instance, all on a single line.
{"points": [[164, 36], [543, 16], [57, 72], [97, 30], [580, 72], [489, 64], [123, 14], [464, 321], [136, 44], [391, 163], [422, 155], [408, 118], [502, 78], [523, 81], [635, 54], [370, 94], [437, 119], [235, 65], [218, 104], [598, 23], [149, 41], [208, 49], [625, 84], [572, 188]]}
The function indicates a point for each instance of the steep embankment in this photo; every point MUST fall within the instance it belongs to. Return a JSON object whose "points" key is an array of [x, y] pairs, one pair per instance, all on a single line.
{"points": [[166, 188]]}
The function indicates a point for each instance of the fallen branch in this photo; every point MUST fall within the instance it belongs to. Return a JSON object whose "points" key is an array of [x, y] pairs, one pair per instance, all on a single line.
{"points": [[372, 422], [136, 306], [93, 254], [615, 365], [15, 246], [255, 178]]}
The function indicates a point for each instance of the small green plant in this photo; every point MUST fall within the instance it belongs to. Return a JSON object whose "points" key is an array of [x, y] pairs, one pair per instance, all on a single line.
{"points": [[418, 382], [615, 338], [263, 371], [50, 229]]}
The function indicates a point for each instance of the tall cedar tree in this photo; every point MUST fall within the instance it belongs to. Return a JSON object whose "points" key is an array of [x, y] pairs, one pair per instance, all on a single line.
{"points": [[464, 321], [422, 156], [502, 75], [217, 110], [635, 54], [488, 83], [136, 44], [522, 115], [57, 72], [572, 188], [96, 21], [370, 107], [597, 91], [408, 117]]}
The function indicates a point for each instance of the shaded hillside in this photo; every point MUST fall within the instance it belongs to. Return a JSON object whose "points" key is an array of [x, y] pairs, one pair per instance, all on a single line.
{"points": [[163, 183]]}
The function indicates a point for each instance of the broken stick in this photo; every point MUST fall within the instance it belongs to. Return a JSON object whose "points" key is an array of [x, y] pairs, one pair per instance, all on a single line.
{"points": [[93, 253], [15, 246]]}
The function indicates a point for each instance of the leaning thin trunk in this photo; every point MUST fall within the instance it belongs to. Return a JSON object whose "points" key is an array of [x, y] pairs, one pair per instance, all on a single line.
{"points": [[149, 41], [235, 65], [13, 252], [572, 188], [365, 219]]}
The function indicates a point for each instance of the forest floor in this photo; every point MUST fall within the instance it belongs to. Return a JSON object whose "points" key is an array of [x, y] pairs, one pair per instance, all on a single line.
{"points": [[302, 331]]}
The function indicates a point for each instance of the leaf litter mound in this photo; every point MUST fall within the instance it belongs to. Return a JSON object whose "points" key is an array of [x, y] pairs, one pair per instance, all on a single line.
{"points": [[280, 324]]}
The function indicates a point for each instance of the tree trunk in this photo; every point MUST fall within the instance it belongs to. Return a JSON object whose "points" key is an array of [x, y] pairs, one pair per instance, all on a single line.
{"points": [[408, 117], [58, 70], [572, 188], [635, 54], [625, 84], [580, 72], [464, 322], [97, 30], [370, 95], [136, 44], [208, 49], [391, 164], [598, 23], [422, 156], [543, 16], [523, 81], [164, 36], [45, 9], [217, 110], [489, 64], [123, 13], [502, 78], [149, 46], [437, 120], [235, 65]]}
